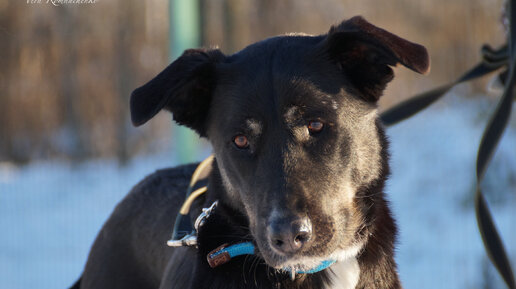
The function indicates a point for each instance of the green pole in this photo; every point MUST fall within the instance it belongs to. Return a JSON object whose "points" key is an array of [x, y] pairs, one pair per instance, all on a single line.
{"points": [[184, 33]]}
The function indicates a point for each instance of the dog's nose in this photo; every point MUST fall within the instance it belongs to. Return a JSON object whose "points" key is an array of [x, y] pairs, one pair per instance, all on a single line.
{"points": [[289, 235]]}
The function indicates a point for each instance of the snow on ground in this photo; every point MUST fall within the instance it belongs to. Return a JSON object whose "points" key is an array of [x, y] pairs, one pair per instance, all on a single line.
{"points": [[431, 192], [50, 212]]}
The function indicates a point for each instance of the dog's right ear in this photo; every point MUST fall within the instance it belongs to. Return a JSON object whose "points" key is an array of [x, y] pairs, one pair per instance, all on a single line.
{"points": [[183, 88]]}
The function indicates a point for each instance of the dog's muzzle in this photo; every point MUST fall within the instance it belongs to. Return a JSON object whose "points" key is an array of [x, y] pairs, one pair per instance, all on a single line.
{"points": [[287, 235]]}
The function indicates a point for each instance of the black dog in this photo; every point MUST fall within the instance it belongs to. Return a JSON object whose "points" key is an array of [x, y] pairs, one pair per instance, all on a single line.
{"points": [[299, 170]]}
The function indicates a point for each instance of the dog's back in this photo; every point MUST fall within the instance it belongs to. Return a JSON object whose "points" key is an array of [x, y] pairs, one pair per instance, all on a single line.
{"points": [[130, 250]]}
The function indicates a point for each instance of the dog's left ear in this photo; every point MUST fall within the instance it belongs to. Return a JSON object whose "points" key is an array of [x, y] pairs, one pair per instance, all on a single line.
{"points": [[364, 52], [183, 88]]}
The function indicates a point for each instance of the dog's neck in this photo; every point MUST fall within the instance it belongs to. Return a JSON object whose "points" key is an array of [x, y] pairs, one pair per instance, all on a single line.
{"points": [[376, 260]]}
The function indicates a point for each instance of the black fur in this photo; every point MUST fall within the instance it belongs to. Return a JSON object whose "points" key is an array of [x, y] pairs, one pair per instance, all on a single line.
{"points": [[332, 179], [377, 269], [77, 284]]}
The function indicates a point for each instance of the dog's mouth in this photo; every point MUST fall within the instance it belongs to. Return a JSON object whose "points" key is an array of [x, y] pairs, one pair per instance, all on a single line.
{"points": [[307, 263], [303, 264]]}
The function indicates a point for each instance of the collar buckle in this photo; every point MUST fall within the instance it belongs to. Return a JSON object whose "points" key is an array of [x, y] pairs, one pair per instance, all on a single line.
{"points": [[206, 212], [187, 241], [190, 240]]}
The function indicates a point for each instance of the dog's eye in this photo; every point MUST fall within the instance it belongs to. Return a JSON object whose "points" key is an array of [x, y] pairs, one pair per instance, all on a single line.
{"points": [[241, 141], [315, 126]]}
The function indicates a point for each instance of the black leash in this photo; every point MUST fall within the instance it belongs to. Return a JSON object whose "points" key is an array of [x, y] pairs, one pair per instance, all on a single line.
{"points": [[417, 103], [492, 60], [488, 144]]}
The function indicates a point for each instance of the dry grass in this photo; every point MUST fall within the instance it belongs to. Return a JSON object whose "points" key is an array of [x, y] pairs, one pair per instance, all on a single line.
{"points": [[68, 71]]}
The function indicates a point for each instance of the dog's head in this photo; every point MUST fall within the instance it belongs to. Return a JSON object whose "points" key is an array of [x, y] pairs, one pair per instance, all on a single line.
{"points": [[293, 124]]}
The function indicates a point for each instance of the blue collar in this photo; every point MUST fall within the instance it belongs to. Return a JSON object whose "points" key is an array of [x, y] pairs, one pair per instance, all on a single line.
{"points": [[224, 253]]}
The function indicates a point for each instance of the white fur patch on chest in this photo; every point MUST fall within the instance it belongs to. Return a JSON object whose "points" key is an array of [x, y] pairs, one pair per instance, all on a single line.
{"points": [[347, 274]]}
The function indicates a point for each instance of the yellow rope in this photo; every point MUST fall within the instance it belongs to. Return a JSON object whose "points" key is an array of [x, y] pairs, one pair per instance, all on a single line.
{"points": [[200, 168], [185, 208]]}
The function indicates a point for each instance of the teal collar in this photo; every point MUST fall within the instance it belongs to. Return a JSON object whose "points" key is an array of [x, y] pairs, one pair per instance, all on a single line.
{"points": [[224, 253]]}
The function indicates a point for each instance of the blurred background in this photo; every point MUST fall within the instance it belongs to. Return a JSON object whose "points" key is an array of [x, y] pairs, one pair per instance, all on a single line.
{"points": [[68, 151]]}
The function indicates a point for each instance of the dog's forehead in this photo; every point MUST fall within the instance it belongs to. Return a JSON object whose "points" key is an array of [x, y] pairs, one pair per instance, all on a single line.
{"points": [[279, 76], [278, 58], [276, 98], [292, 45]]}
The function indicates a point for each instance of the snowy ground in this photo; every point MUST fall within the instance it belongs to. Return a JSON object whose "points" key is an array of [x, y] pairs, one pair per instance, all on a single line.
{"points": [[50, 212]]}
